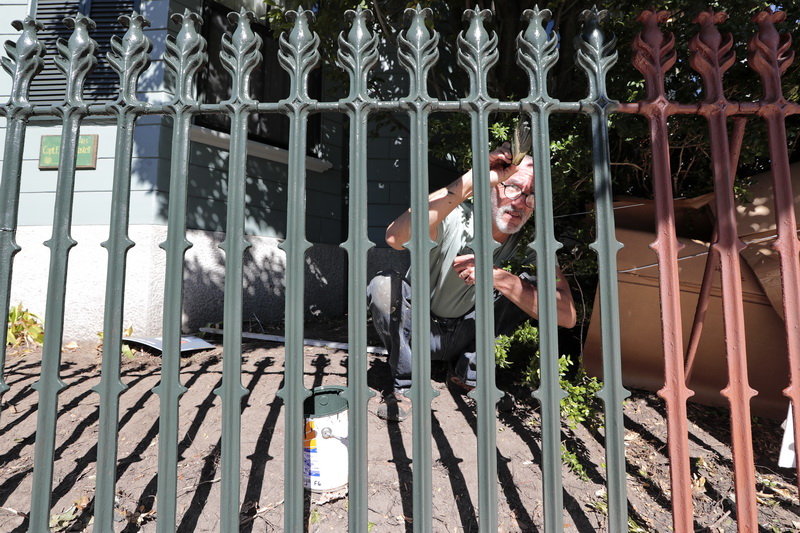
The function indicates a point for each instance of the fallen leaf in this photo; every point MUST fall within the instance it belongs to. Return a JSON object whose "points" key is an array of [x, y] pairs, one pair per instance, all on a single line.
{"points": [[61, 521], [83, 502]]}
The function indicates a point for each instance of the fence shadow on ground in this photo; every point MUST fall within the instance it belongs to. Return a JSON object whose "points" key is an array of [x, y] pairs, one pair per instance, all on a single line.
{"points": [[454, 435]]}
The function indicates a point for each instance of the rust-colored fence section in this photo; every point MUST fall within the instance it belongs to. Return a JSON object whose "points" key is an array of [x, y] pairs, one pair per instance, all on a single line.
{"points": [[712, 55]]}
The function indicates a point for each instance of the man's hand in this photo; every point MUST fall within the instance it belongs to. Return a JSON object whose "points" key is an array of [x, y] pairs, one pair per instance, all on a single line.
{"points": [[523, 294], [500, 164], [465, 266]]}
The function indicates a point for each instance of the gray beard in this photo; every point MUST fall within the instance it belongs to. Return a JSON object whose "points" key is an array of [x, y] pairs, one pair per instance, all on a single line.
{"points": [[498, 212], [502, 225]]}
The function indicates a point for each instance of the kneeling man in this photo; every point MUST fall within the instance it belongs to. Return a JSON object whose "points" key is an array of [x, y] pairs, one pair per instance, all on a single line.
{"points": [[452, 278]]}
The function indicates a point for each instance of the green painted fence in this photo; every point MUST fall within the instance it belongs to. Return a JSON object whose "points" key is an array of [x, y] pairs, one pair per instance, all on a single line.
{"points": [[358, 55]]}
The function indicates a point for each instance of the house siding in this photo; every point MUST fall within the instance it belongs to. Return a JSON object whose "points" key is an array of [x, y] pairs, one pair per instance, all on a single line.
{"points": [[266, 212]]}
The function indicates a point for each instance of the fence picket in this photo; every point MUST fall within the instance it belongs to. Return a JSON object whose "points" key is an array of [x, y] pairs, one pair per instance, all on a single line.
{"points": [[240, 55], [538, 53], [185, 55], [596, 55], [298, 55], [417, 53], [129, 58], [24, 62], [653, 55], [76, 60], [770, 56], [477, 54], [358, 54], [711, 57]]}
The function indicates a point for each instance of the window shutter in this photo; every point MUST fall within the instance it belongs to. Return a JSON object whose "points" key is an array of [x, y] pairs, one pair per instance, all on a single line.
{"points": [[102, 83]]}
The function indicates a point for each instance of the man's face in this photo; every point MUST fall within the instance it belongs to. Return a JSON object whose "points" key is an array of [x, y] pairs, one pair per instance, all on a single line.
{"points": [[510, 215]]}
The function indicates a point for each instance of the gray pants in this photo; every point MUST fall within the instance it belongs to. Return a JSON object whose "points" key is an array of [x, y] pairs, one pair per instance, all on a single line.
{"points": [[452, 339]]}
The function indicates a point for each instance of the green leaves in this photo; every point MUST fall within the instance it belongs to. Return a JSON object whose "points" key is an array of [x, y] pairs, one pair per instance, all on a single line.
{"points": [[24, 328], [125, 349], [581, 405]]}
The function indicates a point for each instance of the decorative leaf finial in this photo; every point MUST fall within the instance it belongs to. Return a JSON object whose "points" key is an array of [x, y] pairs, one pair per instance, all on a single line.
{"points": [[418, 49], [653, 52], [129, 56], [186, 53], [358, 51], [596, 52], [76, 56], [25, 59], [770, 52], [477, 50], [299, 53], [536, 51], [241, 53], [711, 52]]}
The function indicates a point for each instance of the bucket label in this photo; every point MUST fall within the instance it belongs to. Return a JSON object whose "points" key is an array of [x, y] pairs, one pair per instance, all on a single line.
{"points": [[325, 453], [310, 461]]}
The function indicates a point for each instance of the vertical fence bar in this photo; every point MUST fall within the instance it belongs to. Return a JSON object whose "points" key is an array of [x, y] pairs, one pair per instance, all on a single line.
{"points": [[358, 54], [417, 54], [298, 56], [596, 55], [653, 56], [25, 60], [240, 55], [538, 53], [711, 57], [185, 55], [76, 59], [129, 58], [770, 56], [650, 45], [477, 53]]}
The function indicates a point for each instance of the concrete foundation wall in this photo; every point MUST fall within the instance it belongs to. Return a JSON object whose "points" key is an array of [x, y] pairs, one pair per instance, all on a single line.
{"points": [[84, 301], [204, 274]]}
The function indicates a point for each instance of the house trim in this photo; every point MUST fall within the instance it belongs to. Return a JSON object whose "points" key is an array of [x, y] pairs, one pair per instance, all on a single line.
{"points": [[221, 140]]}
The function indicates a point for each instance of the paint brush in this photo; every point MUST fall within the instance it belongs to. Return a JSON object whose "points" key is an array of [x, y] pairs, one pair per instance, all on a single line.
{"points": [[520, 141]]}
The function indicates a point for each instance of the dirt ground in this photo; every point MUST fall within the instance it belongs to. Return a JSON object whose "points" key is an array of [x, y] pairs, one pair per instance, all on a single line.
{"points": [[455, 498]]}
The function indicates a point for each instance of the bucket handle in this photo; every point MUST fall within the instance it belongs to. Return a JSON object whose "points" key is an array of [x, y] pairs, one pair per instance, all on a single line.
{"points": [[327, 433]]}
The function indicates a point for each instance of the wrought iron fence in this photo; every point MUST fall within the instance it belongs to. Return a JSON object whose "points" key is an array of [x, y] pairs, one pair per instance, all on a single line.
{"points": [[537, 52]]}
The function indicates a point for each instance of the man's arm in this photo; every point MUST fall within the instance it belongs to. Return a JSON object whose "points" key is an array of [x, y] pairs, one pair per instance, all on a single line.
{"points": [[526, 295], [443, 201], [523, 294], [440, 204]]}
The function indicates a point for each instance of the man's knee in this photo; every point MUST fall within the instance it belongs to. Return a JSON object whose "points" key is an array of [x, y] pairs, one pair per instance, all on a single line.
{"points": [[383, 292]]}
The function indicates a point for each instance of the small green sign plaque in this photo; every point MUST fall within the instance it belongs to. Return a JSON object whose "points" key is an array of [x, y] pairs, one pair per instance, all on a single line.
{"points": [[51, 145]]}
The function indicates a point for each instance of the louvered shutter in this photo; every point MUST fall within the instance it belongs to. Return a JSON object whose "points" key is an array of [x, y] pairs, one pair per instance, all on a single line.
{"points": [[102, 83]]}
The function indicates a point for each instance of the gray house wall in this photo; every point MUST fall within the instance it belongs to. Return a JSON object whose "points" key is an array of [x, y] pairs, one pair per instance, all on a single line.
{"points": [[327, 217]]}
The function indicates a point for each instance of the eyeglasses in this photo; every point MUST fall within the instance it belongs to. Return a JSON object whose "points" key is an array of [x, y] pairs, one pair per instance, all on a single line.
{"points": [[513, 192]]}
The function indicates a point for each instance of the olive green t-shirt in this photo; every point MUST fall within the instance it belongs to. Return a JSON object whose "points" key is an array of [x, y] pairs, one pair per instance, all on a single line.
{"points": [[450, 296]]}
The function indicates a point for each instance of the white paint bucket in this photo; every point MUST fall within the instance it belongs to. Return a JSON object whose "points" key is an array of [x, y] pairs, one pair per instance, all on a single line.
{"points": [[325, 442]]}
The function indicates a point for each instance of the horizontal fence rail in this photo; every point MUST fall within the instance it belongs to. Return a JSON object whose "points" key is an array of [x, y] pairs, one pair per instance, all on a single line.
{"points": [[358, 55]]}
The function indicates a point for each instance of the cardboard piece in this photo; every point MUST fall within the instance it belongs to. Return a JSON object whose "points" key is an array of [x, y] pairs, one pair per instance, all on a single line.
{"points": [[640, 311], [188, 343]]}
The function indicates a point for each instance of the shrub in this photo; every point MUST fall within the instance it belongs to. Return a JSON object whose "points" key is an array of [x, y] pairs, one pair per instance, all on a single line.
{"points": [[522, 348], [24, 328]]}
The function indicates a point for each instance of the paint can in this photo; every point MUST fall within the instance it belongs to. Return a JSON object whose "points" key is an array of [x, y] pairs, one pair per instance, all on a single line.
{"points": [[325, 442]]}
